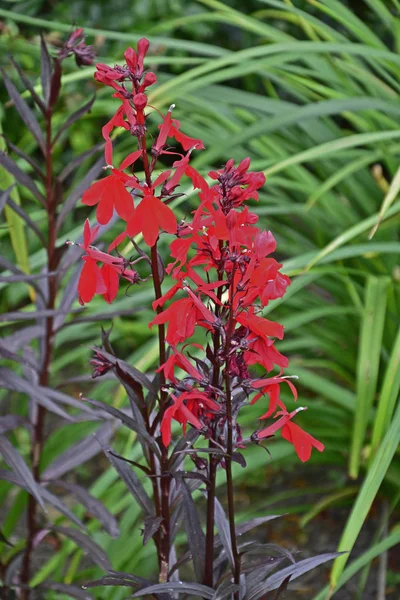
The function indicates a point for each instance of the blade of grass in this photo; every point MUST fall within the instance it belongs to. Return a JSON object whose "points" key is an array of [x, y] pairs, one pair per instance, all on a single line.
{"points": [[368, 492], [368, 363], [390, 197], [388, 396]]}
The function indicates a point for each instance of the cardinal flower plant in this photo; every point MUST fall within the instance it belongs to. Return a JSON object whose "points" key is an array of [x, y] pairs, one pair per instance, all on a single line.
{"points": [[208, 313]]}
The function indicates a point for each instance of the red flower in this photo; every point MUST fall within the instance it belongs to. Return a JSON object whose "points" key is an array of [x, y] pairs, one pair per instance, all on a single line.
{"points": [[259, 325], [182, 317], [198, 402], [177, 359], [91, 281], [302, 441], [94, 280], [110, 193], [150, 216]]}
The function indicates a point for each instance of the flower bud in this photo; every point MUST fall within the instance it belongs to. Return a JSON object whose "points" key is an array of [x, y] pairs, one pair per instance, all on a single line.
{"points": [[140, 101]]}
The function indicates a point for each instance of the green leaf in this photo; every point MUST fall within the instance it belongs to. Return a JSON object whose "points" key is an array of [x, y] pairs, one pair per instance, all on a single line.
{"points": [[365, 498], [368, 363]]}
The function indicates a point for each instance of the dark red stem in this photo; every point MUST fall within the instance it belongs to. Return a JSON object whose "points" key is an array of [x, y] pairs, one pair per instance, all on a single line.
{"points": [[38, 426]]}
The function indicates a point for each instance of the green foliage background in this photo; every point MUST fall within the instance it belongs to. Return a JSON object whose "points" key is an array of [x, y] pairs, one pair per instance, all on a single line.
{"points": [[310, 90]]}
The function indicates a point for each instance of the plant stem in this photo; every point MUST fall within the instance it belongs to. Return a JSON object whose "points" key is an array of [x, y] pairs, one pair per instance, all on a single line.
{"points": [[213, 461], [164, 480], [38, 428], [209, 558], [229, 445]]}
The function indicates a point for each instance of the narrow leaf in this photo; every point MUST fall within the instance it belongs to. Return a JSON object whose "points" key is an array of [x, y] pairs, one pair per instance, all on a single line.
{"points": [[368, 492], [180, 587], [78, 191], [274, 581], [151, 526], [118, 578], [195, 535], [4, 196], [22, 177], [20, 211], [27, 84], [93, 506], [24, 111], [73, 164], [369, 352], [128, 421], [222, 525], [73, 118], [45, 69], [84, 542], [131, 481], [71, 591], [78, 453], [390, 197], [13, 459], [47, 496]]}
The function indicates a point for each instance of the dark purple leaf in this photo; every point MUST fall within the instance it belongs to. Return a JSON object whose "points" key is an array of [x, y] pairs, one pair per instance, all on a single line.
{"points": [[180, 587], [4, 195], [133, 389], [118, 578], [78, 191], [24, 111], [73, 118], [195, 535], [258, 569], [12, 381], [151, 526], [84, 542], [20, 211], [47, 496], [69, 296], [222, 525], [45, 70], [78, 160], [13, 459], [28, 85], [259, 549], [71, 591], [22, 337], [274, 581], [9, 422], [128, 369], [26, 278], [55, 85], [282, 588], [19, 315], [6, 264], [93, 506], [249, 525], [28, 159], [78, 453], [139, 428], [239, 458], [9, 355], [60, 506], [177, 456], [22, 177], [226, 590], [131, 481]]}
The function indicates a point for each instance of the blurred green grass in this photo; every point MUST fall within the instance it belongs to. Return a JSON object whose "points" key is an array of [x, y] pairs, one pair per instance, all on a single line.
{"points": [[310, 91]]}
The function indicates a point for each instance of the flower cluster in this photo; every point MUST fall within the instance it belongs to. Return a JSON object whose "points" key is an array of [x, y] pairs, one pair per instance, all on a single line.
{"points": [[222, 271]]}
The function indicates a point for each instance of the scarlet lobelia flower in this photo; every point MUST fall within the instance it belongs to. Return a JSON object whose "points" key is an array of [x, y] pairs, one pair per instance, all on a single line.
{"points": [[223, 274]]}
